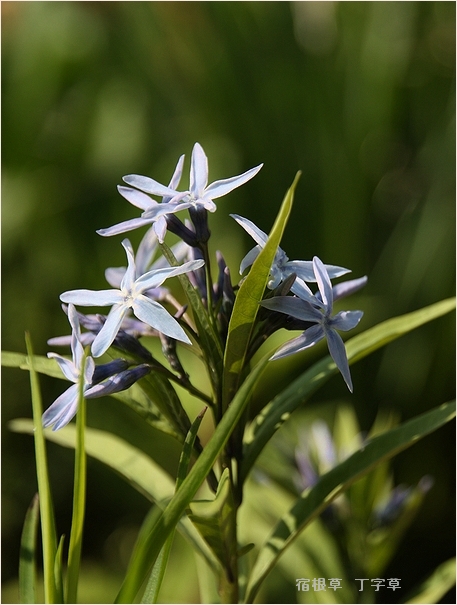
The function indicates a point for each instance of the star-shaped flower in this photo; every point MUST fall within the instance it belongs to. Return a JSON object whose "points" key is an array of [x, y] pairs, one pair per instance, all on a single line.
{"points": [[131, 295], [143, 263], [200, 194], [282, 267], [64, 407], [146, 203], [319, 311]]}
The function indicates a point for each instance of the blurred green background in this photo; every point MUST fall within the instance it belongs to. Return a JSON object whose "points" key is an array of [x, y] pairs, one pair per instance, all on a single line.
{"points": [[360, 96]]}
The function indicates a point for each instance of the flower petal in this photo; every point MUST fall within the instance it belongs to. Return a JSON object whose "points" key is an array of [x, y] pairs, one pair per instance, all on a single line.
{"points": [[89, 370], [345, 320], [198, 171], [163, 209], [309, 338], [323, 281], [173, 184], [338, 353], [160, 228], [62, 410], [348, 287], [304, 269], [108, 333], [156, 277], [257, 234], [157, 317], [145, 183], [130, 274], [125, 226], [250, 258], [92, 298], [224, 186], [136, 198], [145, 252], [114, 276], [207, 203], [69, 370], [296, 307], [300, 288]]}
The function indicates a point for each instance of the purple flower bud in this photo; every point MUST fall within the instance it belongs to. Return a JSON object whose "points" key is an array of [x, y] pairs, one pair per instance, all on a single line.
{"points": [[118, 383], [179, 228], [199, 217], [105, 370]]}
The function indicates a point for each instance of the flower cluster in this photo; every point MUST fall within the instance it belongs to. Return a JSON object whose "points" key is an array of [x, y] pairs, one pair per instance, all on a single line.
{"points": [[138, 299]]}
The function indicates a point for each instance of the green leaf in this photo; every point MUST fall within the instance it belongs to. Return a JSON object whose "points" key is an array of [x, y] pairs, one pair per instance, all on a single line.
{"points": [[279, 409], [41, 364], [437, 585], [151, 594], [79, 496], [177, 506], [247, 302], [313, 501], [58, 567], [186, 454], [27, 560], [133, 465], [48, 529], [211, 517]]}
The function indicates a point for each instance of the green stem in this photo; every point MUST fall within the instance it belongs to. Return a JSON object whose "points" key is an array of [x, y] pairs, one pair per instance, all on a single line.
{"points": [[79, 497]]}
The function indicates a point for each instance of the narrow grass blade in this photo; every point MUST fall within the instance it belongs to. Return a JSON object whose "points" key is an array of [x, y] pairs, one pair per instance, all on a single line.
{"points": [[279, 409], [48, 530], [314, 500], [27, 560], [247, 302], [79, 497]]}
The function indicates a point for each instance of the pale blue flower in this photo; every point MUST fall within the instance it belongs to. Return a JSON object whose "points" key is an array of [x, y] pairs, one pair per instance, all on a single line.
{"points": [[319, 312], [282, 267], [146, 251], [200, 194], [131, 295], [146, 203], [65, 406]]}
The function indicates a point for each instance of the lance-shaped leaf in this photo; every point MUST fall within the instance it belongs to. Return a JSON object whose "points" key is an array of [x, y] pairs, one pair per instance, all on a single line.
{"points": [[48, 529], [279, 409], [27, 560], [151, 594], [41, 364], [248, 299], [314, 500]]}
